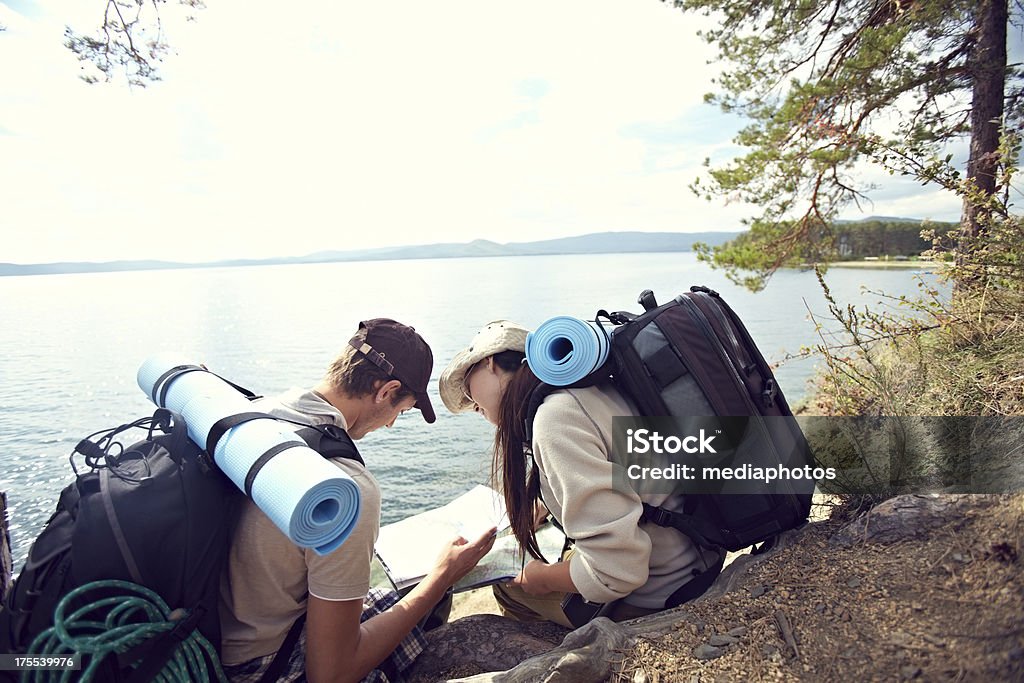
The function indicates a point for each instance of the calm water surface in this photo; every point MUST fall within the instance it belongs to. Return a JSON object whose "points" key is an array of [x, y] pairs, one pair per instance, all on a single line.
{"points": [[71, 345]]}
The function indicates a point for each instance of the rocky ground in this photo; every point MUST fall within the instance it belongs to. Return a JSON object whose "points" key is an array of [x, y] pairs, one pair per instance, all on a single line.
{"points": [[919, 588], [935, 594]]}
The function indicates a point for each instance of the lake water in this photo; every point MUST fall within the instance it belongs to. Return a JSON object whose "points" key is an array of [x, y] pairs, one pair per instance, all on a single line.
{"points": [[71, 345]]}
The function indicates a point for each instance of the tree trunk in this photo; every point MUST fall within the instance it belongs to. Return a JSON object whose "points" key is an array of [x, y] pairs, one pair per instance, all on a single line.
{"points": [[988, 72]]}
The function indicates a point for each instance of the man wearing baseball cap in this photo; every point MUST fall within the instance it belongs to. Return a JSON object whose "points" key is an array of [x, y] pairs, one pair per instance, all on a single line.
{"points": [[350, 631]]}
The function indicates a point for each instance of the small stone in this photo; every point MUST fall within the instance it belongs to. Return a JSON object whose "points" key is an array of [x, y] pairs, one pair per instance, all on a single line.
{"points": [[900, 639], [854, 582], [1016, 653], [820, 608], [758, 590], [959, 557], [640, 676], [722, 641], [738, 632], [910, 672], [706, 652]]}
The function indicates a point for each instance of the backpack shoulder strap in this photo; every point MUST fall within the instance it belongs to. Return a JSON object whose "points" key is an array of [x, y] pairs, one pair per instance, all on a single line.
{"points": [[330, 441], [537, 396], [543, 390], [284, 653]]}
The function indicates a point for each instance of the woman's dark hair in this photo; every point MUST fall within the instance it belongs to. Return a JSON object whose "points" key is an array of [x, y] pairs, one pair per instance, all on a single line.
{"points": [[511, 470], [509, 361]]}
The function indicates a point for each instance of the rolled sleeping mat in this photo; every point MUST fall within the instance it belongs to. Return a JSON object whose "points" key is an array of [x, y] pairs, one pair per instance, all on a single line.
{"points": [[563, 350], [310, 500]]}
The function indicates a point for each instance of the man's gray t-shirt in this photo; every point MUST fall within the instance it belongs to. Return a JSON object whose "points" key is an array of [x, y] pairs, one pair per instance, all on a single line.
{"points": [[268, 578]]}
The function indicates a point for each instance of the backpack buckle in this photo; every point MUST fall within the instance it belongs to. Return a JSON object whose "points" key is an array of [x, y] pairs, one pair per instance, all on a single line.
{"points": [[206, 463], [657, 515], [186, 622], [768, 393]]}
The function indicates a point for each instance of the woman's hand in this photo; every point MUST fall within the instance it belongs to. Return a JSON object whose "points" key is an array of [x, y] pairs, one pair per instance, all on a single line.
{"points": [[460, 556], [538, 578], [533, 578]]}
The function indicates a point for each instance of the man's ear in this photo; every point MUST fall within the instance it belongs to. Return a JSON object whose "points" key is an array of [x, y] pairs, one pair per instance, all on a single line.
{"points": [[387, 390]]}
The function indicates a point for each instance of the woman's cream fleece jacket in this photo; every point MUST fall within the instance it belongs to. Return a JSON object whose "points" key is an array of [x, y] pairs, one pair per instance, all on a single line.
{"points": [[615, 557]]}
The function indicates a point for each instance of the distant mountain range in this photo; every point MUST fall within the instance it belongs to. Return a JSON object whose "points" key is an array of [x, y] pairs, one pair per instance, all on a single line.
{"points": [[595, 243]]}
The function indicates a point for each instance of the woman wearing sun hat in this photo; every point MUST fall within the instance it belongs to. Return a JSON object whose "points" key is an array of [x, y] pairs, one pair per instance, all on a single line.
{"points": [[628, 567]]}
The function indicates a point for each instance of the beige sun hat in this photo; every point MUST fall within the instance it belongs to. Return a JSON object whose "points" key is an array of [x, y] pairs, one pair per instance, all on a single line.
{"points": [[495, 337]]}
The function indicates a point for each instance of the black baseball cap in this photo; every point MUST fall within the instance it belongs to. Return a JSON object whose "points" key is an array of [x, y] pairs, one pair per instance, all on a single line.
{"points": [[402, 353]]}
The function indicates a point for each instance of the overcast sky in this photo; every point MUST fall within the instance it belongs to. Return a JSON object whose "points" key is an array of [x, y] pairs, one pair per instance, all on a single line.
{"points": [[288, 129]]}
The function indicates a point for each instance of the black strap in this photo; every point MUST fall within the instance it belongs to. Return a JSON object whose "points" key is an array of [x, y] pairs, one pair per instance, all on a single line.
{"points": [[765, 545], [330, 441], [696, 586], [284, 653], [163, 383], [615, 317], [537, 396], [221, 427], [163, 647], [170, 422], [542, 391], [255, 468], [567, 543], [699, 530]]}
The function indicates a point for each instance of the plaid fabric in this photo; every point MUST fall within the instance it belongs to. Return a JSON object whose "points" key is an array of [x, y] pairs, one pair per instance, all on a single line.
{"points": [[390, 670]]}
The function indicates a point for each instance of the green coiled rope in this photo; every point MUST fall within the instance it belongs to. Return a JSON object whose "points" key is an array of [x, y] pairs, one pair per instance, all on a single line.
{"points": [[113, 624]]}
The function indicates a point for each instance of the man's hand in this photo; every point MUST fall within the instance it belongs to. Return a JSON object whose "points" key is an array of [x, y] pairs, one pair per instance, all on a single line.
{"points": [[461, 555]]}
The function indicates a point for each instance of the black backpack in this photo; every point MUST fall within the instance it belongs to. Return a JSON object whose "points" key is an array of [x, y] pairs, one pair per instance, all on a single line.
{"points": [[158, 513], [694, 357]]}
